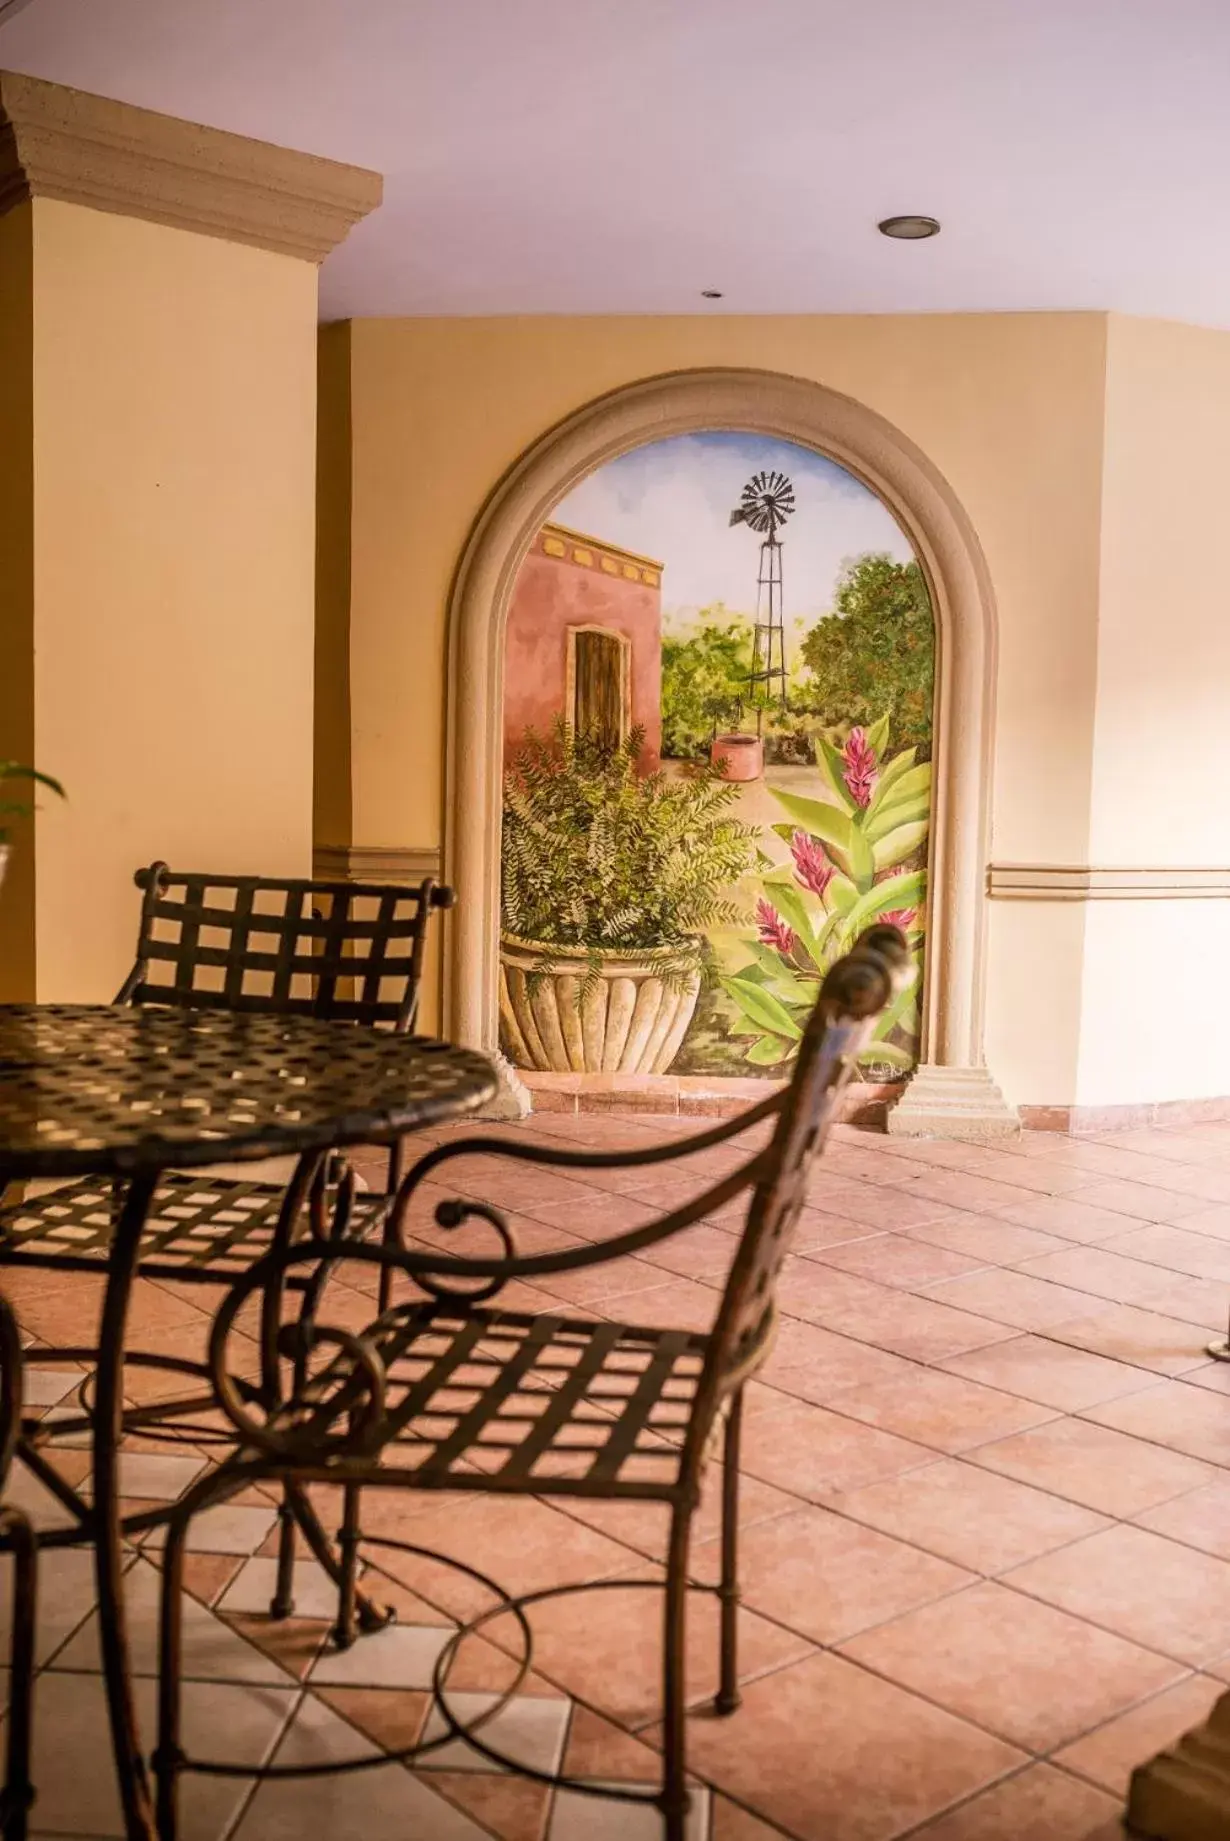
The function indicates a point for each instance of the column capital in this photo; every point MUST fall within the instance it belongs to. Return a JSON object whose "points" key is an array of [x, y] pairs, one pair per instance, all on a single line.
{"points": [[87, 150]]}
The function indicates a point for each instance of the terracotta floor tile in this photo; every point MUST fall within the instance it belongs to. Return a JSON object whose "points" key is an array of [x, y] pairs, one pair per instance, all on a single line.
{"points": [[699, 1252], [605, 1647], [1052, 1373], [678, 1304], [1140, 1200], [1102, 1468], [598, 1749], [1200, 1519], [1110, 1755], [941, 1410], [730, 1823], [829, 1578], [1134, 1281], [511, 1808], [1033, 1674], [881, 1760], [988, 1239], [811, 1452], [971, 1516], [1176, 1414], [1040, 1804], [593, 1214], [919, 1328], [827, 1226], [523, 1544], [1214, 1222], [643, 1526], [1070, 1217], [817, 1364], [963, 1189], [1141, 1586], [391, 1717], [894, 1210], [1175, 1249], [1025, 1302], [1146, 1339], [898, 1259]]}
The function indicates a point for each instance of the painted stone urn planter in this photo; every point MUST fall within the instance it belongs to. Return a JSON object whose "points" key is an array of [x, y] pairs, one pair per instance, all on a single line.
{"points": [[632, 1019]]}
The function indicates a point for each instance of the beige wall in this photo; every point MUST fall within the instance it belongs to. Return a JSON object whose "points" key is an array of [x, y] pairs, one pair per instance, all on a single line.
{"points": [[1009, 407], [1150, 1023], [174, 435]]}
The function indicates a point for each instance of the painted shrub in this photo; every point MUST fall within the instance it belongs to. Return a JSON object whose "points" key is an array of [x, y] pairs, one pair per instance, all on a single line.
{"points": [[667, 604]]}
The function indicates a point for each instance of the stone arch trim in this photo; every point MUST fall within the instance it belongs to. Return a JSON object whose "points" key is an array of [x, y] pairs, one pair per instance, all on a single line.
{"points": [[952, 1091]]}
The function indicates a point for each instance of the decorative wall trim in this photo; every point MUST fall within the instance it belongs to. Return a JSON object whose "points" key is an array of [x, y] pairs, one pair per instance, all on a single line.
{"points": [[1130, 1115], [929, 513], [88, 150], [1075, 882], [375, 862]]}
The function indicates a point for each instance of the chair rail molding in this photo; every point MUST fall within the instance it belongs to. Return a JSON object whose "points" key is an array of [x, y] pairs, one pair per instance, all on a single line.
{"points": [[1081, 882], [793, 409], [88, 150]]}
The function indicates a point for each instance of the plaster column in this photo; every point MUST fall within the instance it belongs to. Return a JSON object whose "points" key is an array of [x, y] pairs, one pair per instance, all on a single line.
{"points": [[158, 308]]}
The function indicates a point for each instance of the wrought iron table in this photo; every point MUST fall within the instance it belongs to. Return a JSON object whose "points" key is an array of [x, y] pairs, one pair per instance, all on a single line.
{"points": [[131, 1093]]}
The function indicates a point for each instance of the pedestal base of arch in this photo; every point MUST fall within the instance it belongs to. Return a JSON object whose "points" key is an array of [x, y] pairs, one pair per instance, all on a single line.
{"points": [[948, 1102], [513, 1099]]}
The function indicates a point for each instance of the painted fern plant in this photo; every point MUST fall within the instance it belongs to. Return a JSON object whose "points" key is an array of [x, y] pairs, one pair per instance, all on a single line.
{"points": [[597, 854]]}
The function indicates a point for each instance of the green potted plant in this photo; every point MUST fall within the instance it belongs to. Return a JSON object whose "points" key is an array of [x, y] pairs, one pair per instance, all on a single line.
{"points": [[10, 808], [611, 877]]}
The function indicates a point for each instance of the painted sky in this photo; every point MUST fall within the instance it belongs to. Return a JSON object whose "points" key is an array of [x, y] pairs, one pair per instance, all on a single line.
{"points": [[672, 500]]}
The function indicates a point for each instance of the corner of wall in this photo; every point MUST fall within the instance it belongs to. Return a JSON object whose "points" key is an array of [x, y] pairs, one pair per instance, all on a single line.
{"points": [[332, 804], [17, 737]]}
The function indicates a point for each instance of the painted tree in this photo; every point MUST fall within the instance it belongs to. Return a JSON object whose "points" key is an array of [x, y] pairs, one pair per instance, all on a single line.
{"points": [[704, 675], [874, 654]]}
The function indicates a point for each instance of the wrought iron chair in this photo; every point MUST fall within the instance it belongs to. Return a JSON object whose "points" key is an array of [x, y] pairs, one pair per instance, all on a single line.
{"points": [[453, 1393], [18, 1538], [340, 951]]}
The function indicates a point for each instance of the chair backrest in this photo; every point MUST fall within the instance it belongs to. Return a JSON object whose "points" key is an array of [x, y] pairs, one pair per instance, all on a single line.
{"points": [[348, 951], [852, 996], [11, 1377]]}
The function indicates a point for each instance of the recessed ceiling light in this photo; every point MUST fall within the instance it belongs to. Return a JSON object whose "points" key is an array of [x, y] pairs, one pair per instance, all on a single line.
{"points": [[911, 228], [711, 293]]}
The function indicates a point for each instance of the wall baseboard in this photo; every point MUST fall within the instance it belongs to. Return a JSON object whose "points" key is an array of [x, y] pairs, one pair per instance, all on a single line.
{"points": [[1088, 1121], [1081, 882]]}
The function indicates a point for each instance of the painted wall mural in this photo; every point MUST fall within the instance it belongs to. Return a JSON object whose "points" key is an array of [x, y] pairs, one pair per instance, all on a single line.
{"points": [[717, 740]]}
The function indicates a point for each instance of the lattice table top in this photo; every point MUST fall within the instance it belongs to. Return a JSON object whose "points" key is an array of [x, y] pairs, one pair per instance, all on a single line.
{"points": [[108, 1089]]}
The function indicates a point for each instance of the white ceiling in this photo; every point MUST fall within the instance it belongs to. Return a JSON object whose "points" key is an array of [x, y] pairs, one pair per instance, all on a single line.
{"points": [[617, 156]]}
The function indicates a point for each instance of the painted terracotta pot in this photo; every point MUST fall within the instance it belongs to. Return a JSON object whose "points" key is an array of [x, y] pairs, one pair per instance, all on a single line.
{"points": [[743, 755], [630, 1021]]}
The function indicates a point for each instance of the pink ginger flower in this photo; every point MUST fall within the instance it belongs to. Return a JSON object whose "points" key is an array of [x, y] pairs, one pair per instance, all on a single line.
{"points": [[899, 917], [773, 929], [811, 866], [862, 771]]}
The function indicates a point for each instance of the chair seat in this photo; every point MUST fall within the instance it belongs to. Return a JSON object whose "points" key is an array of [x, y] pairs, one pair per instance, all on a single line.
{"points": [[522, 1401], [200, 1226]]}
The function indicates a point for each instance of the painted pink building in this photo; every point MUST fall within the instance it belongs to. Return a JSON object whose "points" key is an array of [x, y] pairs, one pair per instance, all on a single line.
{"points": [[584, 640]]}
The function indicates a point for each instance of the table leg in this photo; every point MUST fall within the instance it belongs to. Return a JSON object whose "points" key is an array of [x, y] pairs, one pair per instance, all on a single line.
{"points": [[108, 1544]]}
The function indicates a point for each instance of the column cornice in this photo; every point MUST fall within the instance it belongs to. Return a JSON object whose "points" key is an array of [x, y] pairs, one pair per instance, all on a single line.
{"points": [[63, 143]]}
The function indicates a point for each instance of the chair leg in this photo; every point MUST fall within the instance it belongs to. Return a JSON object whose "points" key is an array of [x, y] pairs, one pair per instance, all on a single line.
{"points": [[18, 1790], [348, 1554], [167, 1762], [282, 1603], [674, 1800], [728, 1697]]}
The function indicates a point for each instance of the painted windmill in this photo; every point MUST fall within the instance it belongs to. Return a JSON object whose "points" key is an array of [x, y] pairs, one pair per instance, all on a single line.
{"points": [[767, 501]]}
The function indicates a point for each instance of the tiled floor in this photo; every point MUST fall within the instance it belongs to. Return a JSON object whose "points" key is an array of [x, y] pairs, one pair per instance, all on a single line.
{"points": [[986, 1548]]}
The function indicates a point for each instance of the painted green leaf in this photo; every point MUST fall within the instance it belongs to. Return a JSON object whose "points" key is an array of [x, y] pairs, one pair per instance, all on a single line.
{"points": [[842, 894], [894, 892], [816, 816], [901, 1013], [890, 774], [771, 971], [767, 1053], [763, 1008], [831, 766], [900, 844], [897, 812], [877, 735], [792, 906], [862, 863]]}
